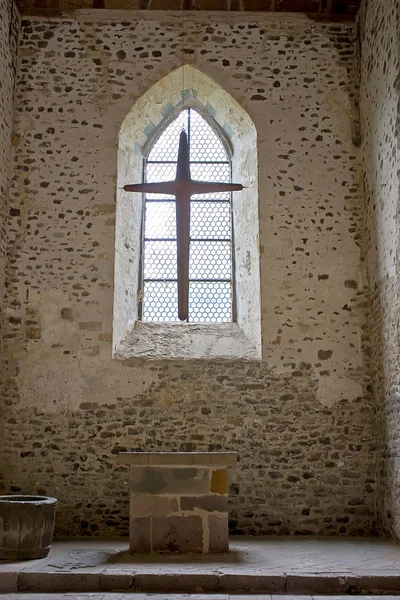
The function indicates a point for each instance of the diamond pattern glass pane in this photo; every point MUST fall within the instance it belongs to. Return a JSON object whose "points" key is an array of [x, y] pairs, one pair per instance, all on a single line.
{"points": [[210, 302], [160, 260], [204, 142], [160, 301], [210, 260], [210, 220], [160, 220], [166, 147]]}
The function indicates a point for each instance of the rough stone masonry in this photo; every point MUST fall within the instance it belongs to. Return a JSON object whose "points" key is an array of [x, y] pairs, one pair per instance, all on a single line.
{"points": [[9, 28], [379, 32], [301, 419]]}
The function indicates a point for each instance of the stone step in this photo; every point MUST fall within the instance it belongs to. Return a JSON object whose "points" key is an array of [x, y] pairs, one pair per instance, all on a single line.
{"points": [[161, 596], [255, 582]]}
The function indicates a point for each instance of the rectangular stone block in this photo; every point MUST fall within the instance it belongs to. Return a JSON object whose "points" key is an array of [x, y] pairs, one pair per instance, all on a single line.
{"points": [[273, 583], [210, 503], [384, 583], [324, 583], [165, 480], [115, 582], [140, 534], [218, 534], [148, 505], [219, 481], [177, 534], [8, 582], [30, 581], [182, 582]]}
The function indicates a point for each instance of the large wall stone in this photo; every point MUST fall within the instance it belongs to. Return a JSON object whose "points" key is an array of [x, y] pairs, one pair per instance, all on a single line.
{"points": [[302, 419], [379, 27]]}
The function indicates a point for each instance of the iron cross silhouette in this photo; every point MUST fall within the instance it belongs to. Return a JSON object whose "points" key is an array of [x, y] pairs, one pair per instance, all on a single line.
{"points": [[183, 187]]}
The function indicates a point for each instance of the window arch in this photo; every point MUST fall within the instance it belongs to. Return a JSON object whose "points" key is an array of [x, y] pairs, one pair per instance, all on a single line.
{"points": [[211, 273], [140, 128]]}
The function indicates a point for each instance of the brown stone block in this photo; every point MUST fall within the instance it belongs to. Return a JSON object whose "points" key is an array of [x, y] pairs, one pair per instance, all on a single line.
{"points": [[218, 534], [67, 314], [31, 581], [211, 503], [115, 582], [272, 584], [8, 582], [219, 481], [140, 534], [147, 505], [177, 534], [104, 337], [165, 480], [183, 582], [374, 584], [104, 209], [324, 583], [33, 333]]}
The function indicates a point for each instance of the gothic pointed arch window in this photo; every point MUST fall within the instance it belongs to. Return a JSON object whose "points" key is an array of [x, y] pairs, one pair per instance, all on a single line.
{"points": [[224, 316], [211, 272]]}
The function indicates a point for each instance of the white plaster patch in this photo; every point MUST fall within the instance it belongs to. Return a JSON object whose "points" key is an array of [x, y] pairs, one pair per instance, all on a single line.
{"points": [[336, 387]]}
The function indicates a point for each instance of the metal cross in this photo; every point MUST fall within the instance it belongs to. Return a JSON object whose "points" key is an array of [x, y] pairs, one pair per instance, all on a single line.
{"points": [[183, 187]]}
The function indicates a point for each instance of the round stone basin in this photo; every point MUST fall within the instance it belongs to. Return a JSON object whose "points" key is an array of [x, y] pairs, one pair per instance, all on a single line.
{"points": [[31, 499], [26, 526]]}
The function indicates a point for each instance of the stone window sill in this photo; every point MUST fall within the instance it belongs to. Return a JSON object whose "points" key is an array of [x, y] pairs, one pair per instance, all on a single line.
{"points": [[177, 341]]}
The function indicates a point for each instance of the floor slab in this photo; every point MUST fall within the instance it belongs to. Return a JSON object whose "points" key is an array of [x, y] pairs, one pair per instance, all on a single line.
{"points": [[269, 565]]}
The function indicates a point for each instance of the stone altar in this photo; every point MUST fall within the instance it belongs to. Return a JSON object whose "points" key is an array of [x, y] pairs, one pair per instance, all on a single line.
{"points": [[178, 501]]}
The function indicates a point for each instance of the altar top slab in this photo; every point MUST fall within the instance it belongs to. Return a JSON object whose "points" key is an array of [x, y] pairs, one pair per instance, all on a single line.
{"points": [[177, 459]]}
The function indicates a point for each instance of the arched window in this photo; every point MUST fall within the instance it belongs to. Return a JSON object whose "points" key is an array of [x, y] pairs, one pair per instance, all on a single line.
{"points": [[224, 296], [211, 285]]}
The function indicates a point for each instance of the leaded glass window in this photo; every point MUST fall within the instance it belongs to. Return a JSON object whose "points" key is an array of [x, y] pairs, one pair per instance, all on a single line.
{"points": [[210, 254]]}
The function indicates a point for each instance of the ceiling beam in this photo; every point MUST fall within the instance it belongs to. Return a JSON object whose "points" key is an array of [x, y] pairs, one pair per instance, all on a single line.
{"points": [[345, 8]]}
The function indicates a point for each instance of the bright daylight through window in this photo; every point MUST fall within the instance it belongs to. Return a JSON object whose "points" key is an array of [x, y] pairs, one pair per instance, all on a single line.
{"points": [[210, 254]]}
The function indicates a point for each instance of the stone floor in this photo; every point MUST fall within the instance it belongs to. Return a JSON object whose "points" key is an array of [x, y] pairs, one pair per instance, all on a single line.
{"points": [[133, 596], [254, 565]]}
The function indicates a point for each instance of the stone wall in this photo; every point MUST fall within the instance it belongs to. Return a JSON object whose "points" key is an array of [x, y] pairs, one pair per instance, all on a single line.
{"points": [[302, 419], [8, 38], [380, 110]]}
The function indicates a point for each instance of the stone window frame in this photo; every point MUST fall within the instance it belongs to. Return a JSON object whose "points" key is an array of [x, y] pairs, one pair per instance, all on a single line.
{"points": [[149, 115]]}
